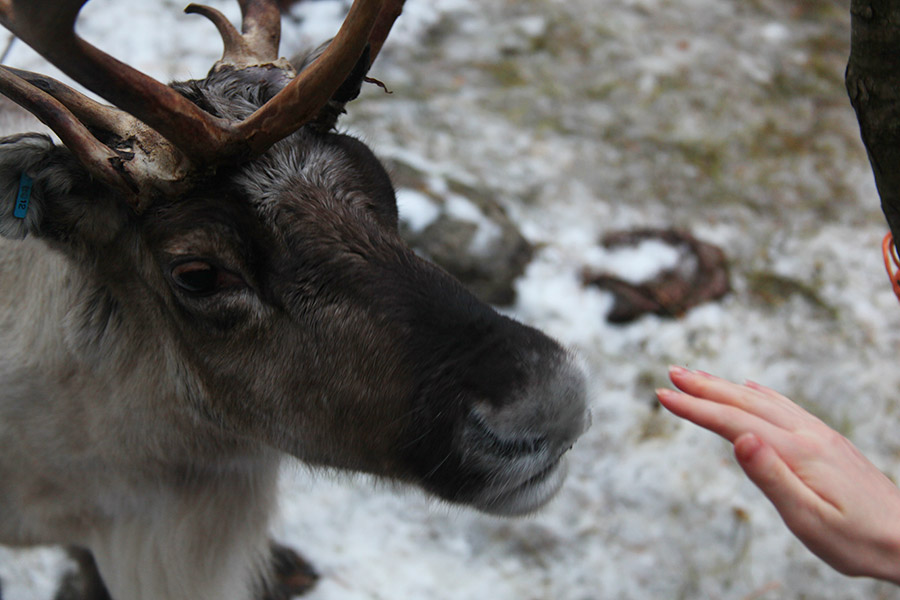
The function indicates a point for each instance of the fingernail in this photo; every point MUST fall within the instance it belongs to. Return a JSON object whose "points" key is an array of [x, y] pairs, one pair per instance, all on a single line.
{"points": [[676, 370], [664, 393], [667, 398]]}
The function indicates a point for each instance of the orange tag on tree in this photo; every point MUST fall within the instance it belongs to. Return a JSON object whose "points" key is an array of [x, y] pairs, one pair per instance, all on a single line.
{"points": [[891, 262]]}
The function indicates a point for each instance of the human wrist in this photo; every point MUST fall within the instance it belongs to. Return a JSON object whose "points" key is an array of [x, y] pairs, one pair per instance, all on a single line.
{"points": [[885, 545], [887, 566]]}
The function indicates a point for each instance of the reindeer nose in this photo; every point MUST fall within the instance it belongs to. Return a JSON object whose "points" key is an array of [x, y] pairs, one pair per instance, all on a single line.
{"points": [[520, 441], [552, 406], [561, 403]]}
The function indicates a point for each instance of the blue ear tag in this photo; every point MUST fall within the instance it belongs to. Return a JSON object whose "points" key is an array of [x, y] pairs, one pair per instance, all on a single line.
{"points": [[24, 195]]}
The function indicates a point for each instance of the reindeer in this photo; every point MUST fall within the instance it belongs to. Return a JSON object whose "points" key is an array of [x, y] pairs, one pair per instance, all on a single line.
{"points": [[206, 278]]}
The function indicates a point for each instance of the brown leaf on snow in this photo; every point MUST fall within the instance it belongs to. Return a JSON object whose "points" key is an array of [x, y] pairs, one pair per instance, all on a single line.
{"points": [[701, 275]]}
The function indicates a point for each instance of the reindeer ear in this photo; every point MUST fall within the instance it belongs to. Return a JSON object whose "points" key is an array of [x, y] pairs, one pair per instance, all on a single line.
{"points": [[349, 90], [45, 192]]}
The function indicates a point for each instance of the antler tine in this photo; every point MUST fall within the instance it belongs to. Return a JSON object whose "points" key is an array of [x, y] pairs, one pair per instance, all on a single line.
{"points": [[101, 161], [88, 111], [235, 47], [306, 94], [261, 25], [258, 44], [49, 28], [390, 11]]}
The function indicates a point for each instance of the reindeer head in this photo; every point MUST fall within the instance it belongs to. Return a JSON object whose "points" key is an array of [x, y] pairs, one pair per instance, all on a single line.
{"points": [[223, 222]]}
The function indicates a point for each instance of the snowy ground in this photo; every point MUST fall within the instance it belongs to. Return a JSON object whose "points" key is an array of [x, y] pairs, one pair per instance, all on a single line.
{"points": [[724, 117]]}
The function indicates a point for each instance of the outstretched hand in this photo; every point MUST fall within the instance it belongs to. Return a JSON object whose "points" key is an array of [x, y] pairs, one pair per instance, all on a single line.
{"points": [[830, 496]]}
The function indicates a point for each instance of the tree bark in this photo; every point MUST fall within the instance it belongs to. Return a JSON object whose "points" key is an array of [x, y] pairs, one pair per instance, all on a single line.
{"points": [[873, 83]]}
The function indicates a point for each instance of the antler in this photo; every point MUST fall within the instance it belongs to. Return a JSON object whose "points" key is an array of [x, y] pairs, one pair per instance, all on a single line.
{"points": [[257, 43], [178, 127], [390, 11], [49, 28], [101, 160], [142, 160]]}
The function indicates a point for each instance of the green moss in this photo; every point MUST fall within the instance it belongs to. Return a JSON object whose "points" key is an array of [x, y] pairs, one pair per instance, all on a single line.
{"points": [[563, 36], [820, 10], [656, 423], [830, 73], [773, 290], [706, 157], [601, 91], [798, 10], [507, 72]]}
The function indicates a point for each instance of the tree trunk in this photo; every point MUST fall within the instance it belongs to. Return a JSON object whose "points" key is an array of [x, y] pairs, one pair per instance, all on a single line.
{"points": [[873, 83]]}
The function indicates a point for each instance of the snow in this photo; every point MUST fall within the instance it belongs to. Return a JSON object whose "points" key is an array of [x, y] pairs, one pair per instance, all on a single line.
{"points": [[31, 573], [725, 119], [486, 231], [637, 263], [416, 209]]}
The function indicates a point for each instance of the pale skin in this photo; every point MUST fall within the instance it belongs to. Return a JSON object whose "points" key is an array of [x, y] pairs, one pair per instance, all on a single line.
{"points": [[830, 496]]}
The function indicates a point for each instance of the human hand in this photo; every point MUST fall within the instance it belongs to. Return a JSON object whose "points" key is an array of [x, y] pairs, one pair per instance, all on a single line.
{"points": [[830, 496]]}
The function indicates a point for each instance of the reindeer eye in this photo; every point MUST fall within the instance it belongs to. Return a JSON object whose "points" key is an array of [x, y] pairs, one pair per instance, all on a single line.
{"points": [[200, 278]]}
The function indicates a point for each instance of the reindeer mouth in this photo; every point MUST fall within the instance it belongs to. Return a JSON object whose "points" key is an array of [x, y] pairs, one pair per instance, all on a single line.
{"points": [[523, 472], [512, 443], [511, 499]]}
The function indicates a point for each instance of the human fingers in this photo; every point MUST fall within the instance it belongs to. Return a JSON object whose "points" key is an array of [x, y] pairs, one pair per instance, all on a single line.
{"points": [[726, 420], [839, 505], [778, 397], [766, 390], [771, 474], [813, 518], [776, 409]]}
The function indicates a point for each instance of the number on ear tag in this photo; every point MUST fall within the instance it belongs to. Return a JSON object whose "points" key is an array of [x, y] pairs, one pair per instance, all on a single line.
{"points": [[24, 195]]}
